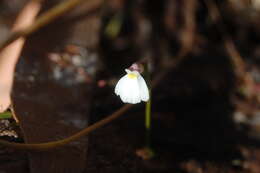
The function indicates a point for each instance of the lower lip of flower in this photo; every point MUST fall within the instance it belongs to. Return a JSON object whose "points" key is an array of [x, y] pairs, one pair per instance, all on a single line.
{"points": [[131, 76]]}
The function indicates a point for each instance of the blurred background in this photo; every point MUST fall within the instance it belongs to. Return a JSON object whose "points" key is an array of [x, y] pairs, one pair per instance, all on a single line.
{"points": [[203, 58]]}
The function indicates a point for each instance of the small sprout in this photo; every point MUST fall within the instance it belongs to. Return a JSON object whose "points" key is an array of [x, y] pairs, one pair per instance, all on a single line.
{"points": [[132, 88]]}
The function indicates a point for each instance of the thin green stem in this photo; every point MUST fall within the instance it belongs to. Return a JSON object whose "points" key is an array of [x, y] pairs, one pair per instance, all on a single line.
{"points": [[148, 109], [148, 114], [148, 121]]}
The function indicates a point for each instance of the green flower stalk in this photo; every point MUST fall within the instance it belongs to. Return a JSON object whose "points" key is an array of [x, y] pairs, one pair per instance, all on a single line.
{"points": [[133, 89], [148, 122]]}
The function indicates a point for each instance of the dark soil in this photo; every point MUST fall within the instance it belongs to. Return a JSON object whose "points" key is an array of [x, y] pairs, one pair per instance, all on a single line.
{"points": [[113, 147]]}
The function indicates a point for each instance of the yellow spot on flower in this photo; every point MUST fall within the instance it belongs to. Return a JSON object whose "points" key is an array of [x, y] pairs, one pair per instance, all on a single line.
{"points": [[131, 75]]}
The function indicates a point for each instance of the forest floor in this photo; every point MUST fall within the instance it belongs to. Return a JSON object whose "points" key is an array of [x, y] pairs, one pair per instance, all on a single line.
{"points": [[113, 149]]}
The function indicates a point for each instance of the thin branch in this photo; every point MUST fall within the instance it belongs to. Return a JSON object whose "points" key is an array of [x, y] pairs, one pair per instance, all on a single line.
{"points": [[55, 144], [47, 18], [189, 28], [237, 60], [244, 79]]}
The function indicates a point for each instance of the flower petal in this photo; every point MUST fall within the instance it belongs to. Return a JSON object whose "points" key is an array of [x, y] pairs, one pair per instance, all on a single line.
{"points": [[128, 90], [132, 89], [119, 85], [144, 92]]}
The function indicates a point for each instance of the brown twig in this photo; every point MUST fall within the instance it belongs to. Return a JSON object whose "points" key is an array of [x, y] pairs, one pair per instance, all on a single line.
{"points": [[47, 18], [189, 28], [55, 144], [238, 63], [244, 79]]}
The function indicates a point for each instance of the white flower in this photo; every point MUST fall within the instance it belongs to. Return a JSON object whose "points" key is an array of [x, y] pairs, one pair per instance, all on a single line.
{"points": [[132, 88]]}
